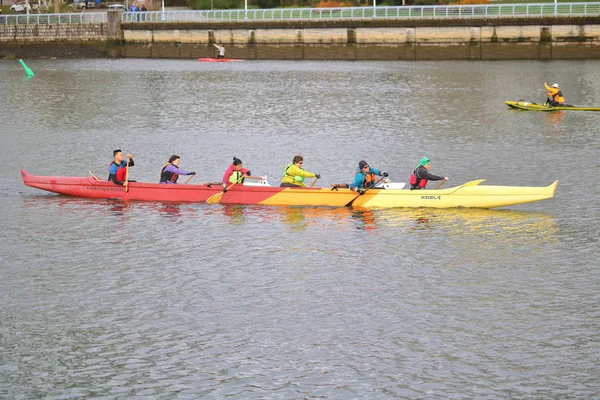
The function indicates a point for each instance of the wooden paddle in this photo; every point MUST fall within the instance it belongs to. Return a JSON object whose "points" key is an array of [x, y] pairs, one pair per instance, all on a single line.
{"points": [[188, 179], [365, 191], [315, 181], [215, 198], [438, 186], [127, 176], [94, 176]]}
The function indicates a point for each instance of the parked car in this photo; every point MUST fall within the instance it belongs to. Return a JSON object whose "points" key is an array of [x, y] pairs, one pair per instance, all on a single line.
{"points": [[21, 6], [77, 4], [117, 7]]}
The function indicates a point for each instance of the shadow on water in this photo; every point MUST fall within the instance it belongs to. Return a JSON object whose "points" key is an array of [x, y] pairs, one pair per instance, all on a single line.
{"points": [[458, 221]]}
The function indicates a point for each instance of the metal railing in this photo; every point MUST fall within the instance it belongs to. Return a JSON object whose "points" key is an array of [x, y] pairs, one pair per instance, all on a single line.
{"points": [[488, 11], [48, 19]]}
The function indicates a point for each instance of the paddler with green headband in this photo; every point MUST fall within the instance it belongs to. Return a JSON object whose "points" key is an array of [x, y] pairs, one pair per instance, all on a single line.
{"points": [[294, 174], [421, 175]]}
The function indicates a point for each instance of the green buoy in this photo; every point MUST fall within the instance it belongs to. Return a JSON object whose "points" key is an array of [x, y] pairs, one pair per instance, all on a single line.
{"points": [[28, 70]]}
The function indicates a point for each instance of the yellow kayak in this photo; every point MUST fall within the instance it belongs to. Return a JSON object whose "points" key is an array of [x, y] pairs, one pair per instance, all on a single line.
{"points": [[470, 194], [527, 106]]}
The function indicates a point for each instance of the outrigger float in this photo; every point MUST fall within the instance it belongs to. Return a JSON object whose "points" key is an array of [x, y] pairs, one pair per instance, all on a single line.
{"points": [[471, 194], [528, 106]]}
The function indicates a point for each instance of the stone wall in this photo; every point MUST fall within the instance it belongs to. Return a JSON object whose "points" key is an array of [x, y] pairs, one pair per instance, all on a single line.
{"points": [[476, 39], [445, 42], [56, 40]]}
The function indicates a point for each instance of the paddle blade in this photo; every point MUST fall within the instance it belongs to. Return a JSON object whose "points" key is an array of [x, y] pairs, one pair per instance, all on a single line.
{"points": [[215, 198]]}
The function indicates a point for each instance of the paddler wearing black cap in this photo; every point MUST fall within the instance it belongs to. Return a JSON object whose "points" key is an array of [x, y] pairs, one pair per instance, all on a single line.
{"points": [[365, 177], [421, 175]]}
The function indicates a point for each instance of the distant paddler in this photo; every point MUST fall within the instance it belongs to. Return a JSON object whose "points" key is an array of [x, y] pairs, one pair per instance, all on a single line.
{"points": [[555, 96], [364, 179], [170, 171], [421, 175], [294, 174], [221, 50], [118, 168]]}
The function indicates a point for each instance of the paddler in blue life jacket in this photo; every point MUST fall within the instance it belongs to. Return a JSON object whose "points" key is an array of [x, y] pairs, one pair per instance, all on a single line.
{"points": [[294, 174], [421, 175], [170, 171], [365, 177], [555, 96], [234, 174], [117, 170]]}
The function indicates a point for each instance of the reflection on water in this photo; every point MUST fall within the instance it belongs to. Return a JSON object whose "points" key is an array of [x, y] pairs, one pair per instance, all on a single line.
{"points": [[464, 221]]}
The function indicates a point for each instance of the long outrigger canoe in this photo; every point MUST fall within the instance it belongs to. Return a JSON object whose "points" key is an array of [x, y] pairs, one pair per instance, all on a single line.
{"points": [[527, 106], [470, 194]]}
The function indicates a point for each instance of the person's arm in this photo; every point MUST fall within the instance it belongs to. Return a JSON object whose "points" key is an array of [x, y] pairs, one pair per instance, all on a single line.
{"points": [[179, 171], [227, 175], [358, 179], [295, 171], [430, 177]]}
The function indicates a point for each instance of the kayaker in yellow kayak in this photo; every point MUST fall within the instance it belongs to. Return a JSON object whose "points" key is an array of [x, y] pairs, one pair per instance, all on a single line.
{"points": [[555, 96], [365, 177], [294, 174], [421, 175]]}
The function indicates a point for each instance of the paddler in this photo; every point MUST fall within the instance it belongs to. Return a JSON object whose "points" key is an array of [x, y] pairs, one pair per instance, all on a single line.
{"points": [[221, 50], [555, 96], [170, 171], [365, 177], [421, 175], [294, 174], [117, 171], [234, 174]]}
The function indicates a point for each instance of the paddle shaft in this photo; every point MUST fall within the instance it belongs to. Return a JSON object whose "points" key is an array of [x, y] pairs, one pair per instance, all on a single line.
{"points": [[215, 198], [438, 186], [127, 176], [94, 176], [315, 181], [366, 190], [188, 179]]}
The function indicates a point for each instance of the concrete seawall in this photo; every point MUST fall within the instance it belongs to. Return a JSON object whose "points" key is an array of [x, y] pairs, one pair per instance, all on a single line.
{"points": [[464, 39]]}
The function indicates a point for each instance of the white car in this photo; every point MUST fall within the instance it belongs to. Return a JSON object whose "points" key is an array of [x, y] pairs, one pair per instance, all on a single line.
{"points": [[20, 7]]}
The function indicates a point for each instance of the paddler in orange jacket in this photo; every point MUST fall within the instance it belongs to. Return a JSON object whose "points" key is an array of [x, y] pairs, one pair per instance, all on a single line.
{"points": [[555, 97]]}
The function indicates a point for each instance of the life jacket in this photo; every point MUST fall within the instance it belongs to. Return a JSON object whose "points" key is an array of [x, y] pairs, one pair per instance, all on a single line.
{"points": [[297, 178], [121, 172], [235, 176], [168, 176], [558, 97], [369, 180], [416, 182]]}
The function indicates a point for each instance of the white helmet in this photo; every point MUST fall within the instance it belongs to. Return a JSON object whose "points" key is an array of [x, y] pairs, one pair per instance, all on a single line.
{"points": [[555, 85]]}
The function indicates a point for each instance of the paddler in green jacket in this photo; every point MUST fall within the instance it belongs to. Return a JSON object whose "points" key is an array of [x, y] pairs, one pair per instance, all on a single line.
{"points": [[294, 174]]}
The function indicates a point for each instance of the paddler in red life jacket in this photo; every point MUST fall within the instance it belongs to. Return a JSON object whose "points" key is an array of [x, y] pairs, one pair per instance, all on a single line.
{"points": [[234, 173], [421, 175], [170, 172], [294, 174], [365, 177], [555, 96], [117, 170]]}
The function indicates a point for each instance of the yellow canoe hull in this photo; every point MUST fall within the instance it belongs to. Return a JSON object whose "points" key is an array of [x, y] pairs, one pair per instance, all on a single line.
{"points": [[527, 106], [471, 195]]}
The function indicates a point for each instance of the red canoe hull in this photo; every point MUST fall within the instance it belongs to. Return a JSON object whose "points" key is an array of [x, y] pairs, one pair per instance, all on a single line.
{"points": [[208, 59], [89, 187]]}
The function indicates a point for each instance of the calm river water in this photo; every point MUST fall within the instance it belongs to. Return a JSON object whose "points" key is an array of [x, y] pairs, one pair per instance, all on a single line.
{"points": [[106, 300]]}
